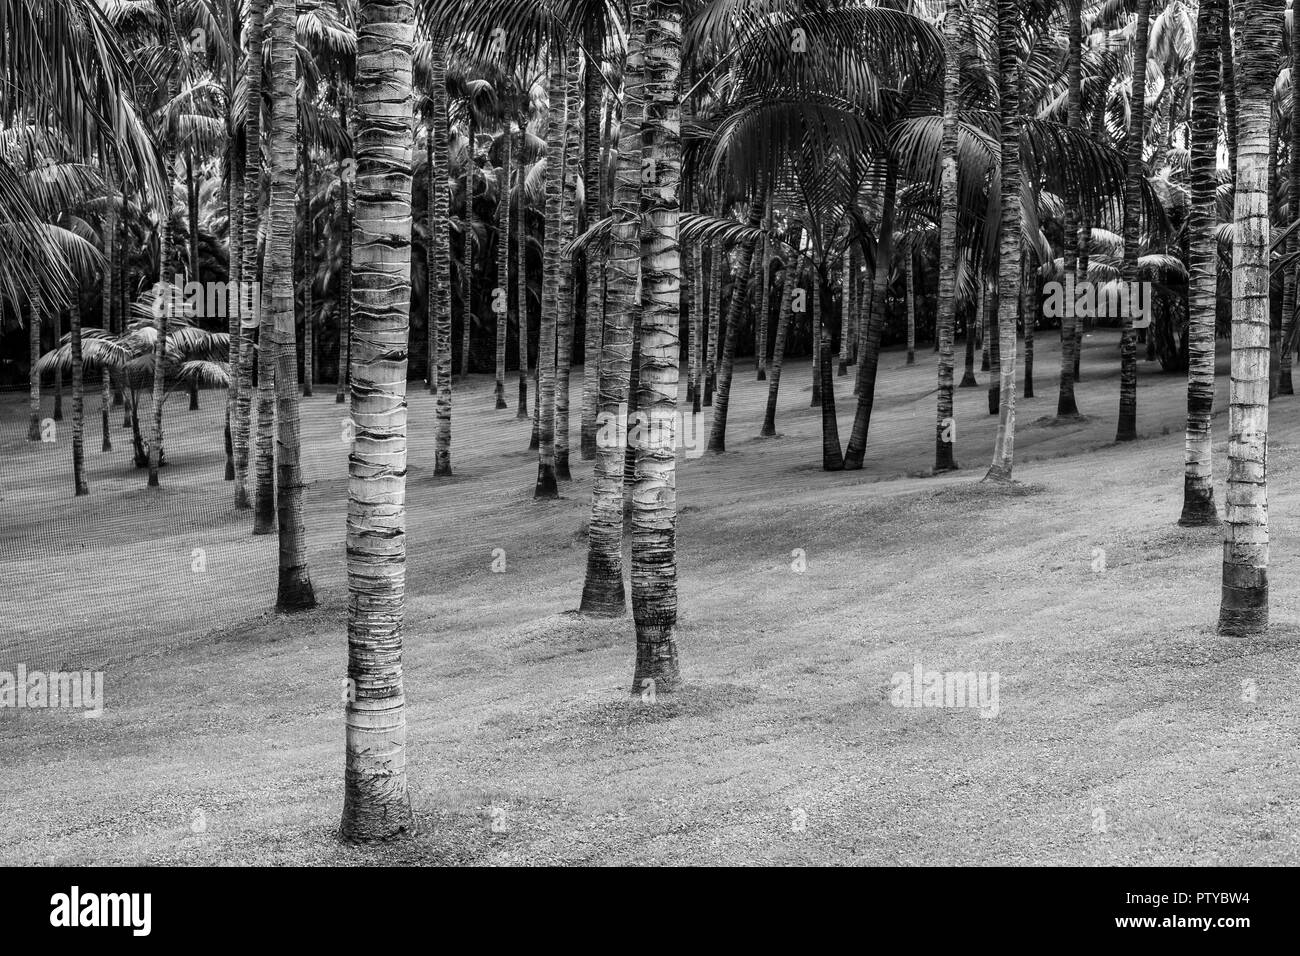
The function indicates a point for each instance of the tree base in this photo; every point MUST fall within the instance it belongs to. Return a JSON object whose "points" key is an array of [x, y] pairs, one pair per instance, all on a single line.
{"points": [[968, 380], [547, 487]]}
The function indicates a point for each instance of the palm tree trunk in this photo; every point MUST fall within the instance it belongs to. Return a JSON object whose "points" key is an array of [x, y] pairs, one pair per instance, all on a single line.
{"points": [[594, 202], [1243, 608], [715, 318], [235, 221], [376, 805], [602, 592], [521, 282], [160, 341], [698, 289], [1028, 313], [264, 491], [1284, 383], [1127, 429], [970, 327], [343, 311], [866, 379], [846, 312], [33, 376], [1203, 253], [992, 342], [1228, 84], [911, 309], [568, 222], [439, 191], [1009, 245], [654, 500], [546, 478], [718, 430], [250, 300], [308, 275], [295, 592], [107, 299], [784, 314], [764, 306], [1066, 404], [500, 295], [945, 444], [78, 397], [832, 458]]}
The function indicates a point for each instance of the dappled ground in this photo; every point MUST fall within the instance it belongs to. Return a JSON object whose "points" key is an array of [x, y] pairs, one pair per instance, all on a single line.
{"points": [[1127, 732]]}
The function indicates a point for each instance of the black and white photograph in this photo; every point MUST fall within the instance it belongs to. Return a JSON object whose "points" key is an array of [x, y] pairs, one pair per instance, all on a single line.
{"points": [[650, 433]]}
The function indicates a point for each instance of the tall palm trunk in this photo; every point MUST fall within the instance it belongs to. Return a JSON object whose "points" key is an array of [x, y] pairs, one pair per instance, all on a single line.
{"points": [[911, 307], [521, 282], [308, 235], [832, 457], [654, 499], [848, 310], [107, 298], [1198, 485], [1292, 277], [1028, 309], [250, 300], [264, 490], [78, 397], [439, 263], [160, 340], [945, 438], [295, 591], [343, 311], [784, 315], [718, 430], [467, 257], [698, 328], [1228, 84], [602, 592], [500, 295], [1127, 429], [865, 387], [714, 288], [34, 376], [1009, 240], [546, 478], [1066, 404], [568, 222], [594, 202], [1244, 605], [235, 219], [376, 805]]}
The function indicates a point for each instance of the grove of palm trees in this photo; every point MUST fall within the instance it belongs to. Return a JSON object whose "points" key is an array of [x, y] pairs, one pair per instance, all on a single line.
{"points": [[648, 431]]}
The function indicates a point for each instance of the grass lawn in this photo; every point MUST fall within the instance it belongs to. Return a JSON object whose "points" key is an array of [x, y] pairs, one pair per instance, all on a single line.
{"points": [[1127, 732]]}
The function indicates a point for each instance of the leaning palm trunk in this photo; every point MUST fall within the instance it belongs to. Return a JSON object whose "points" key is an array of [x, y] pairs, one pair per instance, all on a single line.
{"points": [[242, 351], [1244, 604], [546, 478], [78, 397], [33, 375], [565, 308], [718, 430], [945, 458], [602, 593], [784, 315], [376, 805], [1127, 429], [1009, 240], [865, 387], [439, 262], [654, 497], [295, 591], [1198, 485]]}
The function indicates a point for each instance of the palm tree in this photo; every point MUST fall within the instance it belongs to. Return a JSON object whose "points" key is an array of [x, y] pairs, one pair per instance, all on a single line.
{"points": [[546, 346], [945, 456], [654, 498], [1198, 486], [1127, 430], [1244, 604], [376, 805]]}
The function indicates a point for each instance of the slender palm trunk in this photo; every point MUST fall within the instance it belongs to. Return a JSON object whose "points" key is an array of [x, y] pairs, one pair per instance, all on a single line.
{"points": [[1009, 242], [343, 312], [501, 294], [235, 218], [714, 288], [945, 430], [107, 293], [439, 191], [78, 397], [546, 478], [1127, 429], [784, 314], [565, 316], [764, 306], [521, 283], [250, 299], [593, 202], [654, 499], [467, 259], [160, 341], [1292, 276], [34, 376], [1244, 605], [602, 592], [295, 592], [718, 430], [308, 276], [698, 328], [1028, 310], [1198, 485], [376, 805], [866, 380], [832, 457], [1066, 404]]}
